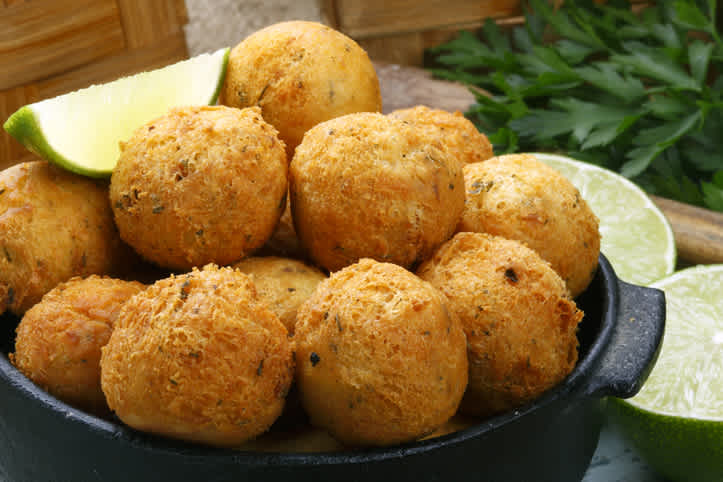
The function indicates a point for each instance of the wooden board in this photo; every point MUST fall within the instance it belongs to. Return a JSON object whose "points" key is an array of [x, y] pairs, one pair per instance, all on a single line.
{"points": [[383, 17], [698, 232], [39, 41], [146, 23], [399, 31], [50, 47]]}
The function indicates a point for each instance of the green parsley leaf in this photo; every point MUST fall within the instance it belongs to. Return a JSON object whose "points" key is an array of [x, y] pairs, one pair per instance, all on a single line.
{"points": [[688, 15], [605, 76], [713, 192], [640, 92], [699, 54], [653, 63]]}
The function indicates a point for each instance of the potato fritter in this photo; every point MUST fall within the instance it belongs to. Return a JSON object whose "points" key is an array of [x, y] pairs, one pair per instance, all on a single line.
{"points": [[283, 241], [518, 316], [59, 339], [283, 283], [368, 185], [198, 357], [456, 132], [380, 360], [200, 185], [300, 74], [518, 197], [53, 225]]}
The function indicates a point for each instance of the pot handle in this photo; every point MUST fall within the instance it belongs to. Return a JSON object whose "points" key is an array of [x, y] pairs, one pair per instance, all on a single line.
{"points": [[634, 344]]}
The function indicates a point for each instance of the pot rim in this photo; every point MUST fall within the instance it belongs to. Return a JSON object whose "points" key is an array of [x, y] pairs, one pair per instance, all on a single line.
{"points": [[571, 387]]}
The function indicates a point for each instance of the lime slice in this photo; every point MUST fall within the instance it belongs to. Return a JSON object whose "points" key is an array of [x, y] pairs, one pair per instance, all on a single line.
{"points": [[80, 130], [636, 237], [676, 420]]}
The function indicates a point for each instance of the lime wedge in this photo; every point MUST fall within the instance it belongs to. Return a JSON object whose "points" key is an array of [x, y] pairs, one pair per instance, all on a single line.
{"points": [[80, 130], [676, 420], [635, 235]]}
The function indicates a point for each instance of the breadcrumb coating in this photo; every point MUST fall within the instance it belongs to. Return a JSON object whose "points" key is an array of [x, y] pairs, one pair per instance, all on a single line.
{"points": [[300, 74], [369, 185], [518, 197], [59, 339], [380, 359], [459, 135], [200, 185], [198, 357], [53, 225], [520, 322]]}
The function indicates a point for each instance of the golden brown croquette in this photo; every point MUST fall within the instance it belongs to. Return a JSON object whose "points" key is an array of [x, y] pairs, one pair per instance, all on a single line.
{"points": [[300, 74], [380, 358], [283, 283], [198, 357], [517, 314], [457, 133], [59, 339], [518, 197], [369, 185], [53, 225], [283, 241], [200, 185]]}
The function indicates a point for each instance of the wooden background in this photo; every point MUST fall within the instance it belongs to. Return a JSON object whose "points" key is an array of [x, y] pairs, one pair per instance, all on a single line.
{"points": [[50, 47]]}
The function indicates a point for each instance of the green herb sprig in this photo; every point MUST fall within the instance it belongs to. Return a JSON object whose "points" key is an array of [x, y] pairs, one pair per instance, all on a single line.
{"points": [[639, 93]]}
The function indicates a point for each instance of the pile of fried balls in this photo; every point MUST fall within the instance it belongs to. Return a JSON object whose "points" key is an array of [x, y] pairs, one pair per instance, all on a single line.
{"points": [[293, 252]]}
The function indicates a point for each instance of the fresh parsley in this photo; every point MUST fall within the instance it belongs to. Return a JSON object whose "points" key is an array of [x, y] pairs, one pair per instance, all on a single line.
{"points": [[640, 93]]}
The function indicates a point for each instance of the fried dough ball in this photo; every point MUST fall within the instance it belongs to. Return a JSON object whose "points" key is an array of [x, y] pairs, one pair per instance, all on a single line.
{"points": [[518, 197], [198, 357], [200, 185], [283, 283], [459, 134], [300, 74], [59, 339], [53, 225], [283, 241], [380, 360], [368, 185], [517, 314]]}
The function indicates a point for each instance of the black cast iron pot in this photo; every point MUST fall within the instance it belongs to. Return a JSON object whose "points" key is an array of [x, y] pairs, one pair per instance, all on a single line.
{"points": [[552, 439]]}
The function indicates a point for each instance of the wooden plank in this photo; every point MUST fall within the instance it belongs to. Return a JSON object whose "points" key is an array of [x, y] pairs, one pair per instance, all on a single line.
{"points": [[181, 12], [168, 51], [698, 232], [146, 22], [329, 14], [39, 39], [405, 48], [409, 48], [11, 100], [379, 17]]}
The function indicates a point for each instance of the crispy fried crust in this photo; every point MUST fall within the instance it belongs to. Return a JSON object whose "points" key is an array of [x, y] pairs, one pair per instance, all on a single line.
{"points": [[368, 185], [59, 339], [53, 225], [198, 357], [284, 242], [300, 74], [283, 283], [380, 359], [518, 197], [517, 314], [200, 185], [458, 134]]}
